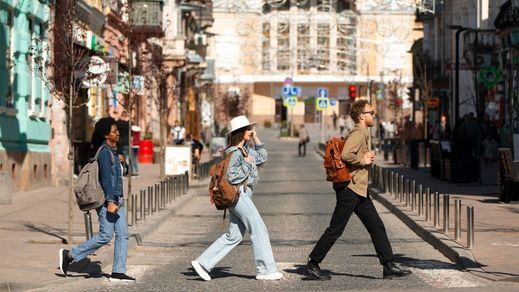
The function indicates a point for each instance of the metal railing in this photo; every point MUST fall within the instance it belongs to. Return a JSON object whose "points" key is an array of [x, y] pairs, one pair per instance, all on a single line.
{"points": [[423, 202]]}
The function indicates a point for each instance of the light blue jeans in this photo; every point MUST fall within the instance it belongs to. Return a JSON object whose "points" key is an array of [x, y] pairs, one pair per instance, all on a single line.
{"points": [[243, 217], [108, 224]]}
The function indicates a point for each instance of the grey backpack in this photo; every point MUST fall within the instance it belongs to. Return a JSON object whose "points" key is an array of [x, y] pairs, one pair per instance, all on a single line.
{"points": [[89, 194]]}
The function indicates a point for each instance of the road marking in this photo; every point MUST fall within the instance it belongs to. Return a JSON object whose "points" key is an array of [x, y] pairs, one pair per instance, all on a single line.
{"points": [[513, 244]]}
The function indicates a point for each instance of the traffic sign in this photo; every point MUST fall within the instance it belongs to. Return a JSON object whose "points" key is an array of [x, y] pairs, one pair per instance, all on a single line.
{"points": [[322, 92], [333, 101], [291, 101], [321, 103], [286, 90], [291, 90]]}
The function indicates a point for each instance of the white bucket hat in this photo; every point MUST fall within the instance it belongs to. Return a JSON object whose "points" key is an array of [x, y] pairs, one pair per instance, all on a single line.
{"points": [[238, 123], [136, 128]]}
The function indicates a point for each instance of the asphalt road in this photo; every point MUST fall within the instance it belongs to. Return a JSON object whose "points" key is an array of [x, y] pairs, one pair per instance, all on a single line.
{"points": [[296, 204]]}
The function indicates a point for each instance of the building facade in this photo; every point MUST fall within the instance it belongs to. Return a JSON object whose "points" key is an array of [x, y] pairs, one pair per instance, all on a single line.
{"points": [[24, 116], [315, 44]]}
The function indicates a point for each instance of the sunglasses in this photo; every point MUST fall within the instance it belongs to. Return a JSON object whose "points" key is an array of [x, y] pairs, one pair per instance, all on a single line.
{"points": [[371, 112]]}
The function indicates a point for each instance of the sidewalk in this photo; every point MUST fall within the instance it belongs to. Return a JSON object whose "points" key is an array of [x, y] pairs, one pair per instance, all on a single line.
{"points": [[496, 238], [34, 227]]}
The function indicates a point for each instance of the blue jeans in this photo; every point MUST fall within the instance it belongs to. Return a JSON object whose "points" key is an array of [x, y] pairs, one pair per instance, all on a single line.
{"points": [[108, 224], [243, 217]]}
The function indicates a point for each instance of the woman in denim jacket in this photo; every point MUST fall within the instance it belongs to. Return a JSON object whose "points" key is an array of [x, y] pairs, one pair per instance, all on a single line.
{"points": [[112, 216], [244, 216]]}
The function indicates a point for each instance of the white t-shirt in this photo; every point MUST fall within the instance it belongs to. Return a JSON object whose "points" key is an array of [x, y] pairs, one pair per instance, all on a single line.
{"points": [[178, 133]]}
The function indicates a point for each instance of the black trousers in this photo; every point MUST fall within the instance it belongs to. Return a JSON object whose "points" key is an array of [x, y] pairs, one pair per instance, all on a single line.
{"points": [[302, 144], [347, 203]]}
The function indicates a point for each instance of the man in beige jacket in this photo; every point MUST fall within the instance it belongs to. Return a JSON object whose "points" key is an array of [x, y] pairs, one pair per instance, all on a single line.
{"points": [[352, 196]]}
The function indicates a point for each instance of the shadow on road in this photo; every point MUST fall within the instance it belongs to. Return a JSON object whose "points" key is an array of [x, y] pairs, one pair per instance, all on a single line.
{"points": [[300, 270], [216, 273]]}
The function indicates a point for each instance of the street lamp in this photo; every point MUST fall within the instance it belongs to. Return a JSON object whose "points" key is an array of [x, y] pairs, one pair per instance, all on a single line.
{"points": [[459, 29]]}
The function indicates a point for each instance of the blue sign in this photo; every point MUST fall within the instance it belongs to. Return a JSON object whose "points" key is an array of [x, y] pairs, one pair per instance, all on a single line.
{"points": [[333, 101], [291, 90], [322, 92]]}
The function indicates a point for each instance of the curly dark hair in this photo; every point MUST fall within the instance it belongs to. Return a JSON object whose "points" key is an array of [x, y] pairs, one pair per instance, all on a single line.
{"points": [[102, 128], [357, 108]]}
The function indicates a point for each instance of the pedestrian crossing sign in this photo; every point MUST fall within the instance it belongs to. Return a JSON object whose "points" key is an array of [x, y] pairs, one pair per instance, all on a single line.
{"points": [[322, 103], [291, 101]]}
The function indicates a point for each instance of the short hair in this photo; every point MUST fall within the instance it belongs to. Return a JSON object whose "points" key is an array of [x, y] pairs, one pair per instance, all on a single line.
{"points": [[102, 128], [357, 108]]}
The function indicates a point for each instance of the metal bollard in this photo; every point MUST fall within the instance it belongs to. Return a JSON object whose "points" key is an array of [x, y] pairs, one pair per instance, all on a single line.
{"points": [[88, 225], [436, 213], [187, 182], [150, 197], [457, 219], [391, 184], [470, 227], [446, 203], [413, 195], [141, 202], [420, 200], [402, 195], [126, 208], [134, 209], [156, 203], [428, 204], [408, 190]]}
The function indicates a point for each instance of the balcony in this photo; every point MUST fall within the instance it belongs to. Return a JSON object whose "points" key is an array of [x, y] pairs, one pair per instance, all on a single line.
{"points": [[91, 16], [174, 49], [146, 17]]}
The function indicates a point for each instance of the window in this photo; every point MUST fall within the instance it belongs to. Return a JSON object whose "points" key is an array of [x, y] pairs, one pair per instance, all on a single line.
{"points": [[283, 54], [266, 47], [342, 5], [42, 67], [30, 67], [323, 47], [303, 45], [9, 66], [324, 5]]}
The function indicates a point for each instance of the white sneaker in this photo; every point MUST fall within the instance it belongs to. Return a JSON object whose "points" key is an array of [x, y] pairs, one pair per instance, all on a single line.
{"points": [[200, 271], [272, 277]]}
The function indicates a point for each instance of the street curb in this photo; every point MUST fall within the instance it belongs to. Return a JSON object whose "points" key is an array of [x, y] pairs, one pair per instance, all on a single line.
{"points": [[443, 243]]}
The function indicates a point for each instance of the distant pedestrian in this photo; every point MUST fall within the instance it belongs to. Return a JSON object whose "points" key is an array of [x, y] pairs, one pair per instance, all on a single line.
{"points": [[353, 197], [334, 119], [304, 138], [244, 216], [136, 142], [196, 152], [489, 150], [178, 134], [342, 124], [112, 216]]}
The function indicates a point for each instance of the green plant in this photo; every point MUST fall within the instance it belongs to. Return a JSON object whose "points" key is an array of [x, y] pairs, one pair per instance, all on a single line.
{"points": [[148, 136]]}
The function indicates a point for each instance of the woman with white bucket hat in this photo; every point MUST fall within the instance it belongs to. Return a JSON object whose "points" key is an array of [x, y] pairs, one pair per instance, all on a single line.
{"points": [[244, 216]]}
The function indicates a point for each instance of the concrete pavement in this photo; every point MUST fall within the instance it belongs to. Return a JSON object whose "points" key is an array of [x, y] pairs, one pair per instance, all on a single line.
{"points": [[296, 204], [34, 227]]}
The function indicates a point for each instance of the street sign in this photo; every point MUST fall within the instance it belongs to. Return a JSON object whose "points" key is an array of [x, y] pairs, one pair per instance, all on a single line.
{"points": [[291, 101], [333, 101], [291, 90], [322, 92], [321, 103]]}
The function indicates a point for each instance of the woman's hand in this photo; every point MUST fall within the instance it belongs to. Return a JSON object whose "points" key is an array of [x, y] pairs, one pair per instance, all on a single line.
{"points": [[255, 137]]}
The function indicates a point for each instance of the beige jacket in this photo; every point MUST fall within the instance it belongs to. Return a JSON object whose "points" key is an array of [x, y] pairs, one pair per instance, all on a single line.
{"points": [[355, 148]]}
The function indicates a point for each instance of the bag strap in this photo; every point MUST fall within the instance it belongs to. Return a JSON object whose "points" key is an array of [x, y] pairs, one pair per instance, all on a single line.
{"points": [[96, 157]]}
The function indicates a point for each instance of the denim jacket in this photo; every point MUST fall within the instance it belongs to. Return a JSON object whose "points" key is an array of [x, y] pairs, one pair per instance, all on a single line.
{"points": [[110, 174], [240, 169]]}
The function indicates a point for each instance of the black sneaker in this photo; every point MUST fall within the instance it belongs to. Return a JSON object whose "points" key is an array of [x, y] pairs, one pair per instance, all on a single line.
{"points": [[121, 277], [392, 271], [313, 271], [64, 261]]}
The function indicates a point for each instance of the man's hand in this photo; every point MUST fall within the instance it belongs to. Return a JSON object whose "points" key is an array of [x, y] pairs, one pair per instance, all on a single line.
{"points": [[368, 158], [121, 158], [112, 208]]}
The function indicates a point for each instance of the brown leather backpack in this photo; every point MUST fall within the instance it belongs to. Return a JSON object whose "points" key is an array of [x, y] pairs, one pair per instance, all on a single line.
{"points": [[336, 169], [222, 193]]}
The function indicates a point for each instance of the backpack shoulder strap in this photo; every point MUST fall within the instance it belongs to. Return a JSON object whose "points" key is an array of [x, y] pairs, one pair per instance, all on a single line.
{"points": [[96, 157]]}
